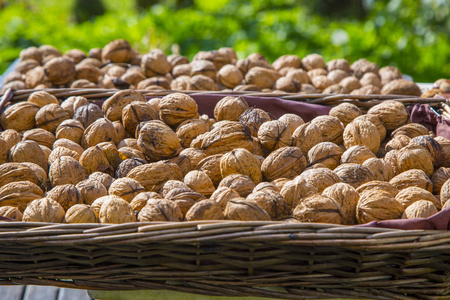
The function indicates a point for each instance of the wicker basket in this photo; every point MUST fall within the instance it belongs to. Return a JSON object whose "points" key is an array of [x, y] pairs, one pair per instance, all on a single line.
{"points": [[228, 258]]}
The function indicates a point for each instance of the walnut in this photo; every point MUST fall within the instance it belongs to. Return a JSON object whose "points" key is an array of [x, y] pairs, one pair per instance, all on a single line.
{"points": [[391, 113], [230, 108], [19, 194], [66, 194], [445, 193], [381, 169], [80, 213], [11, 212], [28, 151], [224, 194], [274, 134], [295, 190], [398, 142], [243, 210], [420, 209], [377, 205], [240, 161], [354, 174], [172, 184], [128, 142], [100, 131], [160, 210], [293, 121], [347, 198], [127, 165], [141, 200], [357, 154], [439, 178], [94, 159], [205, 210], [50, 116], [126, 188], [152, 176], [71, 104], [370, 79], [65, 170], [388, 74], [103, 178], [116, 210], [300, 75], [12, 172], [4, 149], [326, 153], [361, 132], [157, 141], [412, 177], [345, 112], [321, 82], [433, 147], [176, 108], [321, 178], [190, 129], [286, 84], [254, 118], [338, 64], [211, 166], [137, 112], [262, 77], [42, 98], [129, 152], [11, 137], [445, 144], [60, 70], [375, 184], [70, 129], [230, 76], [87, 72], [337, 75], [90, 190], [201, 83], [411, 130], [412, 194], [199, 182], [183, 162], [88, 114], [284, 61], [203, 67], [285, 162], [318, 209], [185, 198], [19, 116], [113, 106], [306, 136], [313, 61], [226, 137], [415, 157], [253, 60], [238, 182], [401, 87], [336, 89], [362, 66], [44, 210], [31, 53], [331, 128], [272, 202], [62, 151], [116, 51]]}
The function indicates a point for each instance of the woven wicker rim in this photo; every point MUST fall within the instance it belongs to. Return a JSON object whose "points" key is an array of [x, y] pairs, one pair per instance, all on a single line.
{"points": [[363, 101]]}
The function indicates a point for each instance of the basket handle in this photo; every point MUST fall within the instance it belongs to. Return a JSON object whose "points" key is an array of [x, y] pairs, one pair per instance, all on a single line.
{"points": [[7, 96]]}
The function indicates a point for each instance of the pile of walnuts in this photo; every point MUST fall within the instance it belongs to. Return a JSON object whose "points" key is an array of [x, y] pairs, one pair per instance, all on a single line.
{"points": [[117, 65], [134, 159]]}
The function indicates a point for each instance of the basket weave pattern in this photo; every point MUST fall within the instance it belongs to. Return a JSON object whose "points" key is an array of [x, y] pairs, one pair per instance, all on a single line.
{"points": [[230, 258]]}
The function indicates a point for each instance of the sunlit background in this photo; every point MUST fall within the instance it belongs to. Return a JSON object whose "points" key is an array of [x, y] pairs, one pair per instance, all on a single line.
{"points": [[413, 35]]}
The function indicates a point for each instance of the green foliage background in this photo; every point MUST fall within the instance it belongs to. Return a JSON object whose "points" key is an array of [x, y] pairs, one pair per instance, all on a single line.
{"points": [[410, 34]]}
